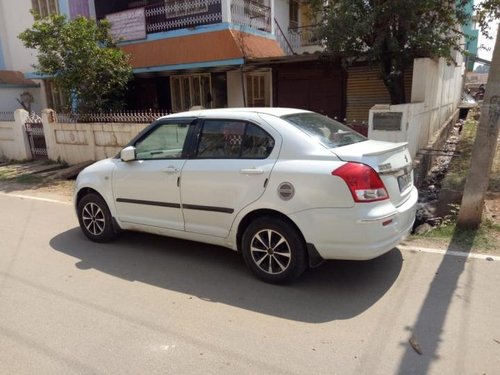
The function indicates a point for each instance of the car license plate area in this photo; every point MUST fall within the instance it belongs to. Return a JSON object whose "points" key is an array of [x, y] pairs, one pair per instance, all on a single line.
{"points": [[404, 181]]}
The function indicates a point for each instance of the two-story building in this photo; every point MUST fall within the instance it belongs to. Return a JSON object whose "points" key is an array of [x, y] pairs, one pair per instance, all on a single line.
{"points": [[209, 53], [224, 53]]}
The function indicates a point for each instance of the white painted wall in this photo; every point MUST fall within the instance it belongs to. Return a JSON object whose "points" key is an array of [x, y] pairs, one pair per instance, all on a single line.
{"points": [[73, 143], [439, 86], [436, 93], [234, 89], [281, 14], [226, 10], [15, 18], [8, 96], [14, 143], [76, 143]]}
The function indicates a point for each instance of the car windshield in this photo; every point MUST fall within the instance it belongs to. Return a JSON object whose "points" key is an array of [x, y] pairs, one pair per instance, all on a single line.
{"points": [[329, 132]]}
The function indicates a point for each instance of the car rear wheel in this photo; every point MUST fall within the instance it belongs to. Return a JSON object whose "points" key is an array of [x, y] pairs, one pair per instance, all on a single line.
{"points": [[273, 250], [95, 218]]}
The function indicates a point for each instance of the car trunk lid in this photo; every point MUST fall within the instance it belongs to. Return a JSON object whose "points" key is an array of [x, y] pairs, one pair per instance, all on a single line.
{"points": [[392, 161]]}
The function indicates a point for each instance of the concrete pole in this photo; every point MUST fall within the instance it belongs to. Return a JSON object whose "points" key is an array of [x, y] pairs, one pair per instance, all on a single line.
{"points": [[483, 151]]}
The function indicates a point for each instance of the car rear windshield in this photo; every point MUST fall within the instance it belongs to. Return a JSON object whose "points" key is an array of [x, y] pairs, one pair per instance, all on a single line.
{"points": [[329, 132]]}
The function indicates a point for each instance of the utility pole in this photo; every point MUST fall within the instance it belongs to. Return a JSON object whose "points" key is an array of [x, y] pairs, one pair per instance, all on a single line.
{"points": [[483, 151]]}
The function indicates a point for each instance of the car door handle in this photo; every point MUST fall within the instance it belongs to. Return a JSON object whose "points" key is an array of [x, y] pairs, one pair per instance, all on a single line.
{"points": [[251, 171], [170, 170]]}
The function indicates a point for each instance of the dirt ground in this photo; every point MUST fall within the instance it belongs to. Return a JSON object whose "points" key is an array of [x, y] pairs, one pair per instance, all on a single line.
{"points": [[36, 178], [492, 206], [56, 190]]}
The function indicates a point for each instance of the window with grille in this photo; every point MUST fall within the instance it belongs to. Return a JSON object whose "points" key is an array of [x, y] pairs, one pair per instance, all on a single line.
{"points": [[189, 91], [54, 96], [45, 7], [256, 90]]}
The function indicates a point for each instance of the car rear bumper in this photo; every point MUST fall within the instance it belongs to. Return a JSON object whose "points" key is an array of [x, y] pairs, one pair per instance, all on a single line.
{"points": [[362, 232]]}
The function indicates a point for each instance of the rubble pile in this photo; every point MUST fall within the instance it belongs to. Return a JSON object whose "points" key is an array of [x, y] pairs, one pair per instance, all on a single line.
{"points": [[428, 198]]}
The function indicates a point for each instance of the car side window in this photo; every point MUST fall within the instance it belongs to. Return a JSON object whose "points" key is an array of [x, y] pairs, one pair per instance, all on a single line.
{"points": [[164, 142], [227, 139], [257, 144]]}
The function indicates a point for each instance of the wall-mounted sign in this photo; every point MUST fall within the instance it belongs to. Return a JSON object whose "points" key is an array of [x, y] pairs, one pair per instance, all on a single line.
{"points": [[389, 121], [128, 25]]}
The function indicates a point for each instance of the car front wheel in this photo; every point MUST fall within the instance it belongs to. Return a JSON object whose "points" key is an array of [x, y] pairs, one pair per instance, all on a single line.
{"points": [[95, 218], [273, 250]]}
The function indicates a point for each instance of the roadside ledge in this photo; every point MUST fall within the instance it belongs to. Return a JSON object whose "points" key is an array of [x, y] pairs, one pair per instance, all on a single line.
{"points": [[455, 253]]}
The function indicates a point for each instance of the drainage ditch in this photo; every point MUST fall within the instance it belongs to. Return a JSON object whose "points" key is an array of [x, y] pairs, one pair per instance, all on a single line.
{"points": [[428, 200]]}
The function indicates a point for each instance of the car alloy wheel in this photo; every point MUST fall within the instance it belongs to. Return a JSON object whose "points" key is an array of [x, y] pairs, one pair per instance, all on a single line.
{"points": [[95, 218], [270, 251], [274, 250]]}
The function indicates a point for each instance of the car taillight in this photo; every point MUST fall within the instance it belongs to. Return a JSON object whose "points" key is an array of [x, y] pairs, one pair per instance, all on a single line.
{"points": [[363, 182]]}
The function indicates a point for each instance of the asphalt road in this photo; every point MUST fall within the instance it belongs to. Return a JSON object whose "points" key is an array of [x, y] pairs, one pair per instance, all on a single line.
{"points": [[152, 305]]}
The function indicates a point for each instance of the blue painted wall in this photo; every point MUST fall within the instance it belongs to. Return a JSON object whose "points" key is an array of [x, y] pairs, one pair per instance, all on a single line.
{"points": [[2, 59], [64, 7], [471, 37]]}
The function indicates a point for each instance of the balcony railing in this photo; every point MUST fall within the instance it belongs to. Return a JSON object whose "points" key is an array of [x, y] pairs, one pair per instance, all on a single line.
{"points": [[282, 39], [252, 14], [179, 14], [6, 116], [303, 36]]}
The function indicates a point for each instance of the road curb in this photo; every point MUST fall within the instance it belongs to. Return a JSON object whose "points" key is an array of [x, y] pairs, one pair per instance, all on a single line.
{"points": [[455, 253], [23, 196]]}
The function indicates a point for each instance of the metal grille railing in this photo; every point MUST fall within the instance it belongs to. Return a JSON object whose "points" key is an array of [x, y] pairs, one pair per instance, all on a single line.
{"points": [[282, 39], [177, 14], [304, 36], [135, 117], [33, 118], [252, 14], [7, 116]]}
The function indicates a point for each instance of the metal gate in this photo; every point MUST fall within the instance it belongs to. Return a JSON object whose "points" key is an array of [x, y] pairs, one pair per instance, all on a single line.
{"points": [[36, 137]]}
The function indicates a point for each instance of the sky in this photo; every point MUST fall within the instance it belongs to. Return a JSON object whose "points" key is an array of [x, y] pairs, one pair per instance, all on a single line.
{"points": [[482, 53]]}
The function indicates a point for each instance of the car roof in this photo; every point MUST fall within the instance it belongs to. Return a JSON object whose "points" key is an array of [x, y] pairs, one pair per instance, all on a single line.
{"points": [[273, 111]]}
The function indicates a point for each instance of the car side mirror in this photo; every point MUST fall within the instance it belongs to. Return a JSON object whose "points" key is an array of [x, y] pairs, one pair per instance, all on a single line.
{"points": [[128, 153]]}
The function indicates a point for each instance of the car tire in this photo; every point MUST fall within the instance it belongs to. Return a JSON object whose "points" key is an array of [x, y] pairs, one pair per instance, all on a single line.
{"points": [[95, 218], [274, 250]]}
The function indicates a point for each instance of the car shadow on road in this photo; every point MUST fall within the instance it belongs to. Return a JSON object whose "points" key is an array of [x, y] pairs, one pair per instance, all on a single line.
{"points": [[336, 290]]}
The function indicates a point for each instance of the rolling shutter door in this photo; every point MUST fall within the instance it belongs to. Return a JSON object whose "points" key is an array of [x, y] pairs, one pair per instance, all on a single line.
{"points": [[365, 89]]}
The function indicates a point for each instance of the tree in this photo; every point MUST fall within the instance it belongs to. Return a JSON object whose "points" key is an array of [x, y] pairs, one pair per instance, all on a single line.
{"points": [[487, 11], [482, 69], [392, 33], [81, 58]]}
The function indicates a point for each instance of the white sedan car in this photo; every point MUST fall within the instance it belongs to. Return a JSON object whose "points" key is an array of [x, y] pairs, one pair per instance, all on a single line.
{"points": [[285, 187]]}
